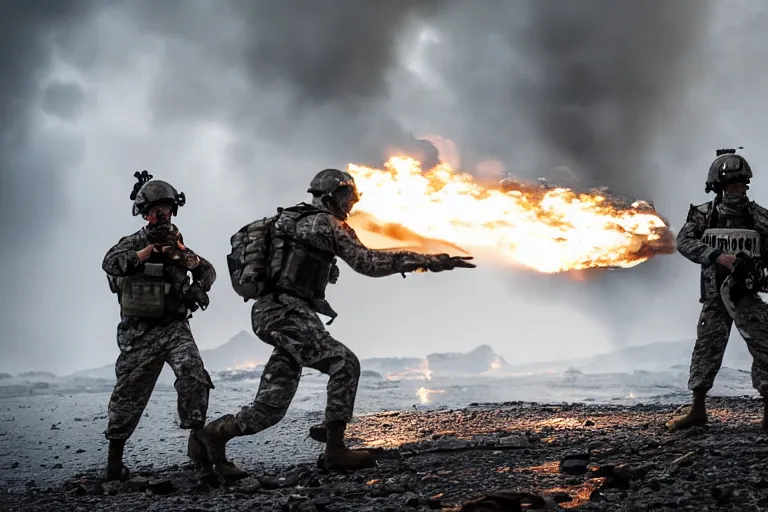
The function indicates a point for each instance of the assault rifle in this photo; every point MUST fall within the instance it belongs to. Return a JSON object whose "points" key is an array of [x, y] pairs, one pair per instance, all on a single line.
{"points": [[750, 276]]}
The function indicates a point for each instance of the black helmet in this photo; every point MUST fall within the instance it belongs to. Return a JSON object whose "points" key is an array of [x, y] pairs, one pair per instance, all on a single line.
{"points": [[728, 167], [148, 192], [336, 189]]}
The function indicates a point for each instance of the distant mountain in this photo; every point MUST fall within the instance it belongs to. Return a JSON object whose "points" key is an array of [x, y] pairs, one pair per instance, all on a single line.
{"points": [[244, 355], [650, 357], [482, 360]]}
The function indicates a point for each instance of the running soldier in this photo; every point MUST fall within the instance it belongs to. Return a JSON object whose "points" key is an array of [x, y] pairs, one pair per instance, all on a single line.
{"points": [[285, 263]]}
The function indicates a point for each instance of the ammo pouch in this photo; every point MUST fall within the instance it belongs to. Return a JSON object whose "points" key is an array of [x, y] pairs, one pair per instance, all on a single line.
{"points": [[143, 295], [305, 272]]}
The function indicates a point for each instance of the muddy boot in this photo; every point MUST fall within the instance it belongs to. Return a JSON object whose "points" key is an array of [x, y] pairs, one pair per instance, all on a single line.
{"points": [[696, 415], [115, 468], [764, 423], [214, 438], [318, 433], [338, 456], [197, 452]]}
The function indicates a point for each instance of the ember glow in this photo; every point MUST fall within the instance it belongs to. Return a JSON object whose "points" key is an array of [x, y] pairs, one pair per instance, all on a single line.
{"points": [[545, 229], [425, 394]]}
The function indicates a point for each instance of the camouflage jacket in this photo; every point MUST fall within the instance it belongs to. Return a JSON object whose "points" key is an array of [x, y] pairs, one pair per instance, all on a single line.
{"points": [[690, 244], [122, 260]]}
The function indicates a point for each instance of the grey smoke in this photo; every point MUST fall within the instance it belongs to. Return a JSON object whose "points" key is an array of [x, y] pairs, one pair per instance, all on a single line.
{"points": [[307, 85]]}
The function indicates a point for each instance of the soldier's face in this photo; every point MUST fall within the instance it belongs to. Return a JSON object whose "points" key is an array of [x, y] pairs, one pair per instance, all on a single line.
{"points": [[346, 197], [736, 189], [159, 214]]}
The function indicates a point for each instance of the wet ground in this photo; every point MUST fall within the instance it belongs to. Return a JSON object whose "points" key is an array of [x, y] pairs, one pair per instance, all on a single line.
{"points": [[621, 459]]}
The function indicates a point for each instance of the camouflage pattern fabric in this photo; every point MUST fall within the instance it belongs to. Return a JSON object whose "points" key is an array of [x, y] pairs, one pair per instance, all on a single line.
{"points": [[750, 315], [147, 344], [300, 339], [712, 334], [718, 312], [144, 348]]}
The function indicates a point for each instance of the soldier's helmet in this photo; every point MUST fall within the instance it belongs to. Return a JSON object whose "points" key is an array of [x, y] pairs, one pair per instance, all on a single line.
{"points": [[148, 193], [336, 189], [328, 181], [728, 167]]}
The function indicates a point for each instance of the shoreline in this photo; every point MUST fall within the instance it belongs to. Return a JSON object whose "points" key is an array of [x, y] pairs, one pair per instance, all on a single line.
{"points": [[623, 458]]}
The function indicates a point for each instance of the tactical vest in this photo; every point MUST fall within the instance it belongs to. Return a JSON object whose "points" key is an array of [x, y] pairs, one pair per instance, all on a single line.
{"points": [[143, 294], [267, 257], [299, 268], [731, 235]]}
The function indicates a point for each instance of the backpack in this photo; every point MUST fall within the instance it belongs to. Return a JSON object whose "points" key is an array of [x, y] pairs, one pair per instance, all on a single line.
{"points": [[248, 261]]}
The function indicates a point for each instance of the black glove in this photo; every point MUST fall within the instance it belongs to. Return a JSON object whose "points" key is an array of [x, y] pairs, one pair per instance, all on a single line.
{"points": [[440, 262], [333, 276], [195, 297]]}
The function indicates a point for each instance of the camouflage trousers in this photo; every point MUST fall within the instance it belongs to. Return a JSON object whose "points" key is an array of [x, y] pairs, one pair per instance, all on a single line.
{"points": [[750, 315], [299, 339], [144, 349]]}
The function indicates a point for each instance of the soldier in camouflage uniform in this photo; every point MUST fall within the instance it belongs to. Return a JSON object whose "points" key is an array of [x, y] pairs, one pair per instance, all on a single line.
{"points": [[710, 238], [148, 271], [305, 241]]}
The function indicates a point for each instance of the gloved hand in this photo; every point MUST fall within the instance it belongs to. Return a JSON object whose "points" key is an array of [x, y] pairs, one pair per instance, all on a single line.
{"points": [[333, 277], [195, 297], [440, 262]]}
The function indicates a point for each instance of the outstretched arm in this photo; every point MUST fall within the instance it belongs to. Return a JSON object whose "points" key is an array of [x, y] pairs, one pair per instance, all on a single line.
{"points": [[342, 240]]}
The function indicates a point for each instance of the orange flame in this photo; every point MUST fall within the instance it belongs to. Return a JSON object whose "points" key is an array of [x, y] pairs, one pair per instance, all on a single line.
{"points": [[546, 229]]}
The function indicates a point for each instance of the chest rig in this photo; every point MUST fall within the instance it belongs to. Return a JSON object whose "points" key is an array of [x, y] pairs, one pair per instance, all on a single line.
{"points": [[732, 234]]}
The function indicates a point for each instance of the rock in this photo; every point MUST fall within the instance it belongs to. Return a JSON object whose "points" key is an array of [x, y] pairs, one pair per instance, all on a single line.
{"points": [[160, 486], [575, 464], [269, 482], [135, 484], [514, 441], [249, 485], [411, 499], [589, 423], [723, 493], [110, 487]]}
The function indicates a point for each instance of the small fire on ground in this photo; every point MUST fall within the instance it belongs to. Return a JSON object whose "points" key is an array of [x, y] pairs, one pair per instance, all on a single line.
{"points": [[248, 364], [425, 394], [549, 229]]}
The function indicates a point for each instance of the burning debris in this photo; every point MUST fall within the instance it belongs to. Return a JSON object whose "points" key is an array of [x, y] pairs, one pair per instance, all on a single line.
{"points": [[538, 226]]}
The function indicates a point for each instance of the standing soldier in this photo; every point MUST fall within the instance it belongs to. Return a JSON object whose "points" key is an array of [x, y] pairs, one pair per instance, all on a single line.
{"points": [[713, 234], [285, 263], [148, 271]]}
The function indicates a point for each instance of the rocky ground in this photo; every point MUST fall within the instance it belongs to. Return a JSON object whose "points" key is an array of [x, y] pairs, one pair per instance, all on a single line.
{"points": [[577, 456]]}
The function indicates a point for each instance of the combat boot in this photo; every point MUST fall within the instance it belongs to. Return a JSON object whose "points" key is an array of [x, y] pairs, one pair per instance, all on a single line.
{"points": [[214, 438], [116, 470], [696, 415], [318, 433], [338, 456], [197, 452]]}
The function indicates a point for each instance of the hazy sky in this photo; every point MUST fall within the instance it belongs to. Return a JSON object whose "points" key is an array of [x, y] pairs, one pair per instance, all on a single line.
{"points": [[240, 103]]}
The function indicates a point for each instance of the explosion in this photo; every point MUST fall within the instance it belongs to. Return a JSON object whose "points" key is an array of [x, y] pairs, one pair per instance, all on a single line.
{"points": [[545, 229]]}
